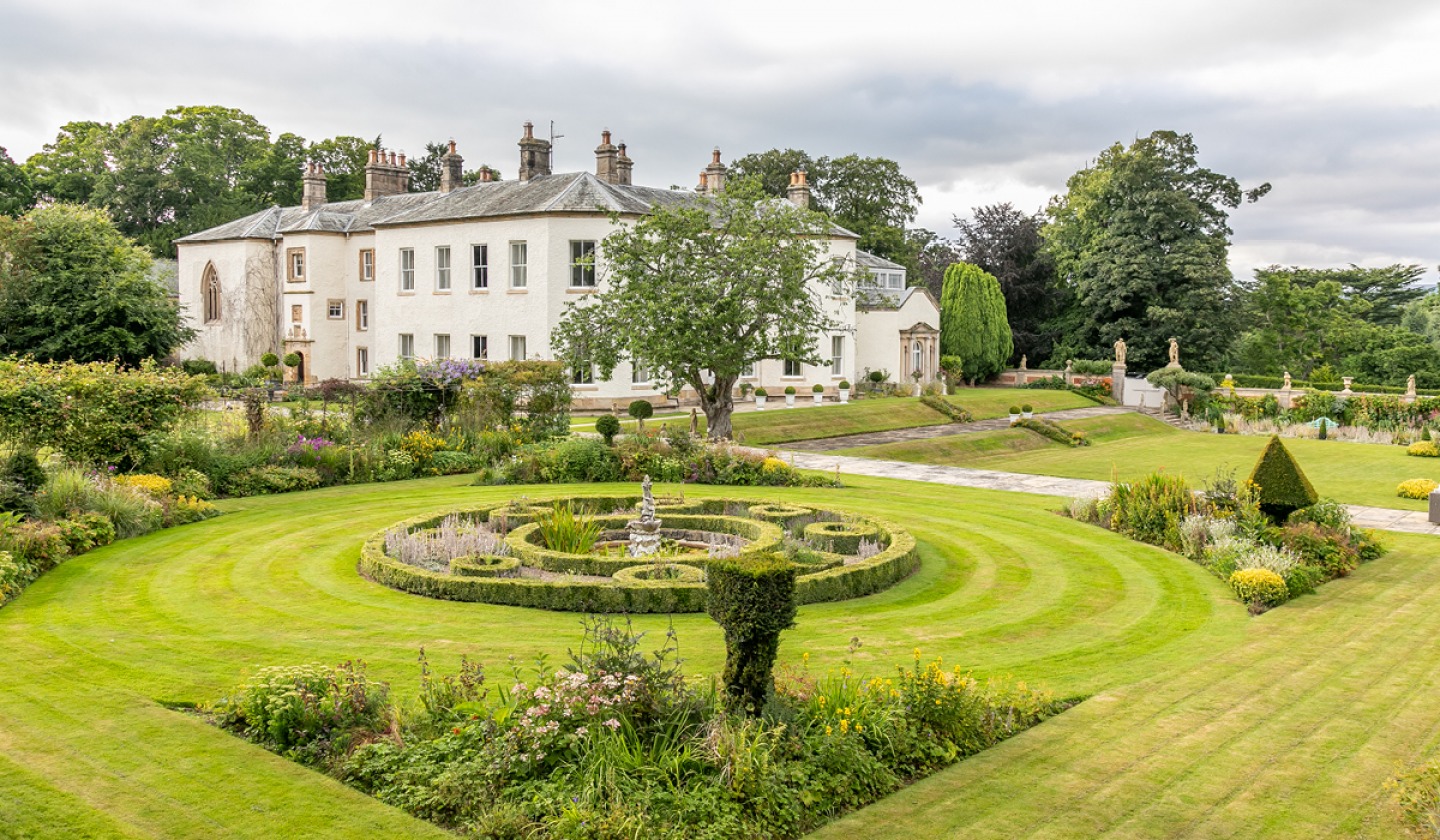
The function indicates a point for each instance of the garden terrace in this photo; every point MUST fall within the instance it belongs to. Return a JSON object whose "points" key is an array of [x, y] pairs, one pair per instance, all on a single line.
{"points": [[841, 556], [1199, 716]]}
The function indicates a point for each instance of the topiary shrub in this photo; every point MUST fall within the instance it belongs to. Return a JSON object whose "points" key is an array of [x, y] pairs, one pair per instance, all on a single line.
{"points": [[642, 410], [269, 360], [292, 360], [1416, 488], [1283, 485], [752, 598], [608, 426], [1423, 449], [1259, 586]]}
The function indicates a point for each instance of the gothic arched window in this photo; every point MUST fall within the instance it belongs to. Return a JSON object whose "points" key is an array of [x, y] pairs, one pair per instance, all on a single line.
{"points": [[210, 294]]}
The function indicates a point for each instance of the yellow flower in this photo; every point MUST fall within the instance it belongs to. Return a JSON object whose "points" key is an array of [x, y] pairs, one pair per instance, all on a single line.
{"points": [[822, 701], [828, 730], [859, 727], [844, 724]]}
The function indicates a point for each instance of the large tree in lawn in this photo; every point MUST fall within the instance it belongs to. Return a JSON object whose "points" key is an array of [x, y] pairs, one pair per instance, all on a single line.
{"points": [[1141, 237], [700, 290]]}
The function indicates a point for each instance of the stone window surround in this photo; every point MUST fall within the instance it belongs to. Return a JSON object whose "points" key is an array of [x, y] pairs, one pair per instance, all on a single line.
{"points": [[210, 294], [362, 361], [367, 265], [295, 259], [335, 309], [362, 315]]}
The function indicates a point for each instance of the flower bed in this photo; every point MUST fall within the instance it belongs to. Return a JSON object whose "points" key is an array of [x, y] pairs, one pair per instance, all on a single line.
{"points": [[842, 559]]}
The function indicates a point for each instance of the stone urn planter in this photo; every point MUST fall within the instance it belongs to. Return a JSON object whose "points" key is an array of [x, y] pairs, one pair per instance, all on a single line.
{"points": [[1014, 414], [760, 398], [819, 392], [1026, 411], [789, 396], [844, 392]]}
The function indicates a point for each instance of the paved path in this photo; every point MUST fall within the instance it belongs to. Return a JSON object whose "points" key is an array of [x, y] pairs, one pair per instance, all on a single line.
{"points": [[1385, 519], [945, 430]]}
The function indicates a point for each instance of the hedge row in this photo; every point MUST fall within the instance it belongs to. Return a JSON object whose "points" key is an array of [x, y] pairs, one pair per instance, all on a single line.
{"points": [[866, 577], [842, 537]]}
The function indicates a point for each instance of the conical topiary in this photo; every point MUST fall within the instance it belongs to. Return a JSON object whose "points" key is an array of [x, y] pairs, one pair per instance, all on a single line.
{"points": [[1283, 485]]}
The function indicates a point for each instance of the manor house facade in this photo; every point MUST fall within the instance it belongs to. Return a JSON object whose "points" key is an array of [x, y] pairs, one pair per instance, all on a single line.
{"points": [[484, 272]]}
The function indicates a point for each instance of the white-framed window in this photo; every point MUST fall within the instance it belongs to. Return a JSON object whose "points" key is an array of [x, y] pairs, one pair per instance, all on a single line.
{"points": [[442, 268], [362, 315], [793, 368], [639, 373], [582, 263], [479, 346], [442, 345], [479, 266], [407, 269], [362, 361], [582, 371], [519, 265], [917, 357], [407, 345], [517, 348], [367, 265], [335, 309], [748, 371], [837, 355], [295, 264]]}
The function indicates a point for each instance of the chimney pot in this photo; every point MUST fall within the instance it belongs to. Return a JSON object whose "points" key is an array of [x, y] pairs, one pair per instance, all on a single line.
{"points": [[372, 155], [402, 159], [605, 137], [452, 147], [529, 130], [715, 155]]}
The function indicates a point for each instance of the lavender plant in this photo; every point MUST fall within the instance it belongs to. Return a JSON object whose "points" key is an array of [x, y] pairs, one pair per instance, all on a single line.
{"points": [[456, 536]]}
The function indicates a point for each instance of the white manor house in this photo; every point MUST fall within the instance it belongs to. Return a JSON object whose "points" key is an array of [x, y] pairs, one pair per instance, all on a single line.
{"points": [[484, 272]]}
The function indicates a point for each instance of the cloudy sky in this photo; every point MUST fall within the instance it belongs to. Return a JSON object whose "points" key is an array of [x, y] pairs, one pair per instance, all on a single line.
{"points": [[1334, 102]]}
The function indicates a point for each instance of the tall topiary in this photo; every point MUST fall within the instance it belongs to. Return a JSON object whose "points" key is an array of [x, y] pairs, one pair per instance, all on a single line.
{"points": [[973, 323], [752, 598], [1283, 485]]}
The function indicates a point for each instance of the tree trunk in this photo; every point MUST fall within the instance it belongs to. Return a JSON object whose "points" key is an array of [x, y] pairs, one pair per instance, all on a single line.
{"points": [[718, 403]]}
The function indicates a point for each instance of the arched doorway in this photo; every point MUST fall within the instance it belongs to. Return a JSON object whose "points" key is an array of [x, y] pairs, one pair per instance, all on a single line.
{"points": [[300, 370]]}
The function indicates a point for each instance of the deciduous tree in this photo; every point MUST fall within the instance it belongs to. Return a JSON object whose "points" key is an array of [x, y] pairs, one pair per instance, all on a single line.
{"points": [[72, 288], [1141, 237], [701, 290]]}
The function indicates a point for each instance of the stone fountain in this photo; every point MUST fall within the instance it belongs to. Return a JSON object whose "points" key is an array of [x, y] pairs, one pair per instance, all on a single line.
{"points": [[645, 531]]}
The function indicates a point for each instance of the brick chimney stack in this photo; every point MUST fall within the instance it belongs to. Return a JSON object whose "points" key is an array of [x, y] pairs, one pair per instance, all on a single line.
{"points": [[607, 160], [623, 167], [452, 170], [799, 190], [312, 187], [385, 174], [534, 155], [712, 180]]}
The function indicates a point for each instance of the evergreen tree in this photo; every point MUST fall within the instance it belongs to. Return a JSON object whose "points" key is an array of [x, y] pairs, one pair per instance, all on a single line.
{"points": [[973, 324]]}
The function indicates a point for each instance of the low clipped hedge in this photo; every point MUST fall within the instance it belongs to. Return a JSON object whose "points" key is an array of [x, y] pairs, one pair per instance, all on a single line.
{"points": [[657, 573], [842, 537], [762, 536], [483, 580], [780, 514], [486, 565]]}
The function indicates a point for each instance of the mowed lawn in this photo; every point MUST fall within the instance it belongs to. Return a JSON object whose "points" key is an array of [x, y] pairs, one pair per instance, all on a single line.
{"points": [[777, 424], [1203, 721], [1132, 445]]}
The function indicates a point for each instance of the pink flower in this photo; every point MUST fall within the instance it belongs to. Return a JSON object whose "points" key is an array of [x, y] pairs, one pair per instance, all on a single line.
{"points": [[612, 723]]}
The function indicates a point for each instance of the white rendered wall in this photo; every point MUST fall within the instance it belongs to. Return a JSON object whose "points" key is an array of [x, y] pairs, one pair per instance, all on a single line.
{"points": [[249, 301]]}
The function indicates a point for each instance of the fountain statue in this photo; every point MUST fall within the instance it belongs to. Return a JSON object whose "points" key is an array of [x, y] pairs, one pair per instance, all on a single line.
{"points": [[645, 531]]}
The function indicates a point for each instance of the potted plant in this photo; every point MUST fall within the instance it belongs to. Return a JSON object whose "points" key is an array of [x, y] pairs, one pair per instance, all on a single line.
{"points": [[789, 396], [745, 389], [1027, 411], [760, 399], [1014, 413], [844, 391], [819, 391]]}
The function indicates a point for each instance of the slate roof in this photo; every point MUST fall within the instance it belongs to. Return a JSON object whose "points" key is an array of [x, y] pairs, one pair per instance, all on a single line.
{"points": [[572, 192], [865, 259]]}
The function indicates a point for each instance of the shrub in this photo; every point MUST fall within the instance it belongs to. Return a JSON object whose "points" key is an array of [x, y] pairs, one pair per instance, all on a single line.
{"points": [[643, 410], [1416, 488], [1014, 409], [86, 531], [1052, 430], [1027, 408], [1423, 449], [186, 509], [257, 481], [154, 486], [761, 392], [1278, 560], [1259, 586], [1151, 509], [608, 426], [131, 510], [269, 360], [1327, 549], [1327, 512], [841, 537], [305, 712], [752, 598], [68, 490], [1417, 794], [1303, 580], [844, 385], [23, 468], [1222, 557], [789, 390], [291, 360], [1283, 486], [15, 575], [41, 545]]}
